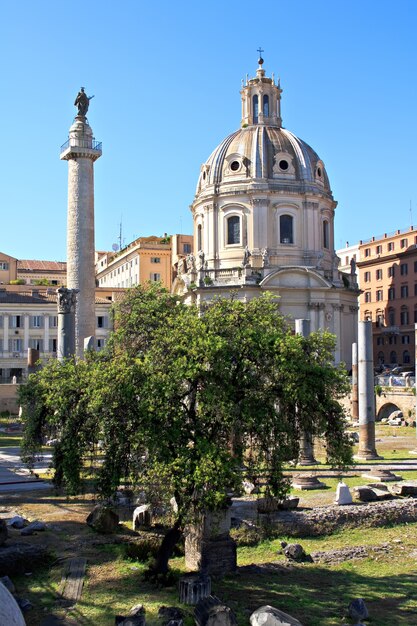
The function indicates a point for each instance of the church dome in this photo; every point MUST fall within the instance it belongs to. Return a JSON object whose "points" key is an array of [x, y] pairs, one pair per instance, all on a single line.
{"points": [[260, 154]]}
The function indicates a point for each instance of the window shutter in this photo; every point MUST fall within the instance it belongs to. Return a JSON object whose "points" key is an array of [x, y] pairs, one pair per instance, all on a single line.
{"points": [[31, 324]]}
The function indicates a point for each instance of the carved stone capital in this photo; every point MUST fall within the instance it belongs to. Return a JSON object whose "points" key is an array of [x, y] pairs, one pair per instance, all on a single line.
{"points": [[353, 308], [66, 299], [338, 307]]}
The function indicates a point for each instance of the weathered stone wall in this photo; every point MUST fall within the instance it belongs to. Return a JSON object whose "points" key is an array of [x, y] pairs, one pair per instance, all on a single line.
{"points": [[8, 398], [391, 399], [326, 520]]}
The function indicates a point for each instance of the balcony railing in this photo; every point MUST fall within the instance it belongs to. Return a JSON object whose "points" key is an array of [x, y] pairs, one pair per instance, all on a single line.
{"points": [[91, 144]]}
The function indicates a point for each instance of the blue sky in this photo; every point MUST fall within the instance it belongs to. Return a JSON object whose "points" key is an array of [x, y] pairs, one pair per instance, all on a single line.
{"points": [[166, 79]]}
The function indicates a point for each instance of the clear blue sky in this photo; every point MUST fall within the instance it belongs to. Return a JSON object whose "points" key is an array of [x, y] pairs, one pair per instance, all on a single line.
{"points": [[166, 78]]}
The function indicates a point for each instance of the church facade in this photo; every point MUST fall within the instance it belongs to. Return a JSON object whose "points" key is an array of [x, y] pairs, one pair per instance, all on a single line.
{"points": [[264, 221]]}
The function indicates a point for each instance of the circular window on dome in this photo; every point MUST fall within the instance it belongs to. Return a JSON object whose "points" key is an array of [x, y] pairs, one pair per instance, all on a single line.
{"points": [[283, 164], [234, 166], [319, 172]]}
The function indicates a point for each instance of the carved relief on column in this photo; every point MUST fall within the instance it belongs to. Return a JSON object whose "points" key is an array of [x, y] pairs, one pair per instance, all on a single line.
{"points": [[66, 300]]}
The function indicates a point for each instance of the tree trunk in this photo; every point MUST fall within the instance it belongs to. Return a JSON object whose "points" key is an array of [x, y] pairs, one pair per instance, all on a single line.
{"points": [[166, 549]]}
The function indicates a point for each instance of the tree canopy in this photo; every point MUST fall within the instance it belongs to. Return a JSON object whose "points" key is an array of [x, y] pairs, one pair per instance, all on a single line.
{"points": [[181, 399]]}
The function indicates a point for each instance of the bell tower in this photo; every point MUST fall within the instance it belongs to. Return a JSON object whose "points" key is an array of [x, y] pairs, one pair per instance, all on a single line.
{"points": [[261, 99]]}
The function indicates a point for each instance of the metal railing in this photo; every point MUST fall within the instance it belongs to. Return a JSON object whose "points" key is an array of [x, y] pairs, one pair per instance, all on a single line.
{"points": [[91, 144]]}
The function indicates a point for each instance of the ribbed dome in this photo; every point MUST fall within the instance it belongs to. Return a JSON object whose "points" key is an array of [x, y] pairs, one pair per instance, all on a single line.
{"points": [[260, 154]]}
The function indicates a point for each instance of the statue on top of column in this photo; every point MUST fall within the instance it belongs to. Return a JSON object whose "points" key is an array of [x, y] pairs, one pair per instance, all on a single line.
{"points": [[82, 101]]}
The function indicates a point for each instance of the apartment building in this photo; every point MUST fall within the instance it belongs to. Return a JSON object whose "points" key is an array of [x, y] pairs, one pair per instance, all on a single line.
{"points": [[146, 259], [388, 278], [29, 319], [31, 272]]}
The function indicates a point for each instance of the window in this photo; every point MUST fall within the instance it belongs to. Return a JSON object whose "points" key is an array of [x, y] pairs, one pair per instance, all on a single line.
{"points": [[391, 293], [404, 317], [405, 339], [393, 357], [404, 291], [4, 265], [199, 239], [381, 358], [367, 296], [391, 317], [37, 321], [379, 295], [155, 259], [392, 340], [415, 316], [16, 321], [378, 274], [391, 271], [16, 345], [186, 248], [265, 106], [403, 243], [233, 230], [406, 356], [255, 109], [155, 277], [390, 246], [379, 320], [35, 344], [326, 234], [415, 266], [379, 341], [379, 249], [100, 344], [368, 316], [367, 251], [54, 345], [367, 277], [286, 229], [404, 269], [100, 321]]}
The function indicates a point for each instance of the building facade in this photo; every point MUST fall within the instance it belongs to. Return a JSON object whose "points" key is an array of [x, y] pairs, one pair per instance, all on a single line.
{"points": [[388, 276], [264, 221], [153, 259], [29, 319]]}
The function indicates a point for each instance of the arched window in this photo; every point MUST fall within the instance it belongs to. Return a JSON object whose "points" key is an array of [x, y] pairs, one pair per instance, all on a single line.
{"points": [[199, 242], [265, 106], [286, 234], [233, 230], [255, 109], [391, 317], [326, 243], [406, 357], [393, 357], [381, 358]]}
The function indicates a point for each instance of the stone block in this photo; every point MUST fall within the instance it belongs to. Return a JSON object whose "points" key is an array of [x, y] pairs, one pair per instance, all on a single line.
{"points": [[270, 616]]}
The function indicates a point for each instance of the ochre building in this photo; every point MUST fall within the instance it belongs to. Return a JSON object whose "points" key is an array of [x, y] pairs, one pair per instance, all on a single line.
{"points": [[388, 279]]}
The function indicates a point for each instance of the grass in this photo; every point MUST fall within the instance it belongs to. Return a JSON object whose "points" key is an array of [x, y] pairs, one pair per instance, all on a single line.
{"points": [[316, 594]]}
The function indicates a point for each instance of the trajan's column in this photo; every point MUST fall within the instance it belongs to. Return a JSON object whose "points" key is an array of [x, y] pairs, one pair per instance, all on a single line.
{"points": [[81, 150]]}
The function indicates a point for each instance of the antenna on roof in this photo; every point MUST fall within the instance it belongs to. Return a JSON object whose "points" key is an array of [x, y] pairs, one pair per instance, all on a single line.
{"points": [[120, 234], [411, 214]]}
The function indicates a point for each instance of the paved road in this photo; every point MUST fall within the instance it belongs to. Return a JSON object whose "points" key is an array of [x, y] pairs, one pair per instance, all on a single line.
{"points": [[14, 476]]}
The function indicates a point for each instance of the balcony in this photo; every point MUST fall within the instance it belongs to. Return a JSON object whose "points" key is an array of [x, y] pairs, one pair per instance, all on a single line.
{"points": [[391, 330], [90, 144]]}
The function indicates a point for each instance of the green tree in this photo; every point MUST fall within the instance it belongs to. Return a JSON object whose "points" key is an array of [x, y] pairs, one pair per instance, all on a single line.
{"points": [[183, 397]]}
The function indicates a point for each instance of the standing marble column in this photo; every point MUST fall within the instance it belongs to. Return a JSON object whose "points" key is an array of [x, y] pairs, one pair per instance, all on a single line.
{"points": [[81, 151], [367, 448], [306, 457], [66, 300], [355, 406]]}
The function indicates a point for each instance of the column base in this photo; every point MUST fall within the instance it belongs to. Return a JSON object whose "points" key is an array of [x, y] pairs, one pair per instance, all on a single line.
{"points": [[308, 460], [367, 456]]}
